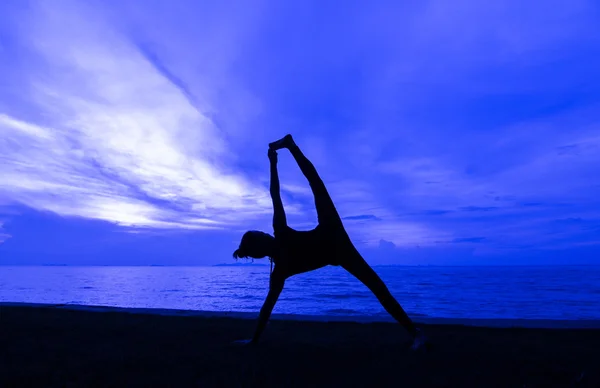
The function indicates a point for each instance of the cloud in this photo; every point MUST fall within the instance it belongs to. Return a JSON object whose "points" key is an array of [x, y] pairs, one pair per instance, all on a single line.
{"points": [[468, 240], [363, 217], [524, 191], [3, 236], [124, 143], [383, 244], [434, 212], [478, 208]]}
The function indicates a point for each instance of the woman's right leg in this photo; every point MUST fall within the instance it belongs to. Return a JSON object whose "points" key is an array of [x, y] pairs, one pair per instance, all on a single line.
{"points": [[326, 211]]}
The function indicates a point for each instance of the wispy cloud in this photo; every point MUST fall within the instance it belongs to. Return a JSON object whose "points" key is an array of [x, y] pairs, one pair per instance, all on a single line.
{"points": [[123, 142], [363, 217], [3, 236], [514, 204]]}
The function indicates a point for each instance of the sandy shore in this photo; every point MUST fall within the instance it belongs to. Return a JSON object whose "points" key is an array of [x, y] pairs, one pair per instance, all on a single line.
{"points": [[46, 345]]}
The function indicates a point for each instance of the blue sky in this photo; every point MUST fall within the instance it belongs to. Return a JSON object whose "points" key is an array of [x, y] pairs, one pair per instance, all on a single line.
{"points": [[448, 132]]}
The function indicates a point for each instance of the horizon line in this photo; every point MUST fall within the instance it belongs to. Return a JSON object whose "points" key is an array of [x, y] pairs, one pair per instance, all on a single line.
{"points": [[266, 265]]}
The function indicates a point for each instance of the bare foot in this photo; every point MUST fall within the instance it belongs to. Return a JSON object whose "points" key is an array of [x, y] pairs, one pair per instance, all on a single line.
{"points": [[285, 142], [420, 341]]}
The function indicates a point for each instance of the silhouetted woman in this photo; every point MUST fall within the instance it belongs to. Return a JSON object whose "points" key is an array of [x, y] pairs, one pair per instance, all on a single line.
{"points": [[295, 252]]}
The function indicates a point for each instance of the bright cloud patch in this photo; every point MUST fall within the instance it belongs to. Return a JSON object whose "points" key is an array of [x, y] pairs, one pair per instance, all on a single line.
{"points": [[122, 143]]}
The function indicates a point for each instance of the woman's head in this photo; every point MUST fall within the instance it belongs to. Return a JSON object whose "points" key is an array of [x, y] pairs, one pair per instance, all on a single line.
{"points": [[255, 244]]}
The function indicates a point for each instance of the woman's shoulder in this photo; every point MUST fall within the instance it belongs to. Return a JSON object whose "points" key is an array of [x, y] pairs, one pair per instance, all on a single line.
{"points": [[283, 231]]}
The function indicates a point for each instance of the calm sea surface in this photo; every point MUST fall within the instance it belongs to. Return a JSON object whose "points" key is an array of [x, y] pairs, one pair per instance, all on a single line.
{"points": [[551, 292]]}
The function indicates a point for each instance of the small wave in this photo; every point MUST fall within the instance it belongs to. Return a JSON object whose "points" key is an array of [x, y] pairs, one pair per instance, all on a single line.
{"points": [[342, 296], [86, 288], [293, 298], [336, 284], [342, 311], [248, 297]]}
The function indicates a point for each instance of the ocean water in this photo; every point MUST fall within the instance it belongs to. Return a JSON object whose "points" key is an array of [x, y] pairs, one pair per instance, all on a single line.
{"points": [[517, 292]]}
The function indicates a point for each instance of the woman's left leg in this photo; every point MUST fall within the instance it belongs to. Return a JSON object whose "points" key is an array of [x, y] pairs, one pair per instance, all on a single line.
{"points": [[359, 268]]}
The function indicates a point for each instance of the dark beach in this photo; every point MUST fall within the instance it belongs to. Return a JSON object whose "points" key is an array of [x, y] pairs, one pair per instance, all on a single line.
{"points": [[53, 347]]}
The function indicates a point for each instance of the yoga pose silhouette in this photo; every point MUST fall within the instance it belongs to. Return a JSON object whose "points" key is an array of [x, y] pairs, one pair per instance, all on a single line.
{"points": [[295, 252]]}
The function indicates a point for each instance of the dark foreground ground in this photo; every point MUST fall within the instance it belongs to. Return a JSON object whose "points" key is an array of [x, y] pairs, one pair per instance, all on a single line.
{"points": [[60, 348]]}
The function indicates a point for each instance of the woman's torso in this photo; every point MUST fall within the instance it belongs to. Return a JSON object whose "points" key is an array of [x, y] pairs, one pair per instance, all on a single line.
{"points": [[303, 251]]}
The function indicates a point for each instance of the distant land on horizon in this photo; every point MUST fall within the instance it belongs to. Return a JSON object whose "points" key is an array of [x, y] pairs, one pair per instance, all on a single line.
{"points": [[239, 265]]}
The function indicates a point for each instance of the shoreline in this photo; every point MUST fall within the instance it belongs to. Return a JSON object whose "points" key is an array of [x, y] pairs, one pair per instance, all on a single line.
{"points": [[469, 322]]}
